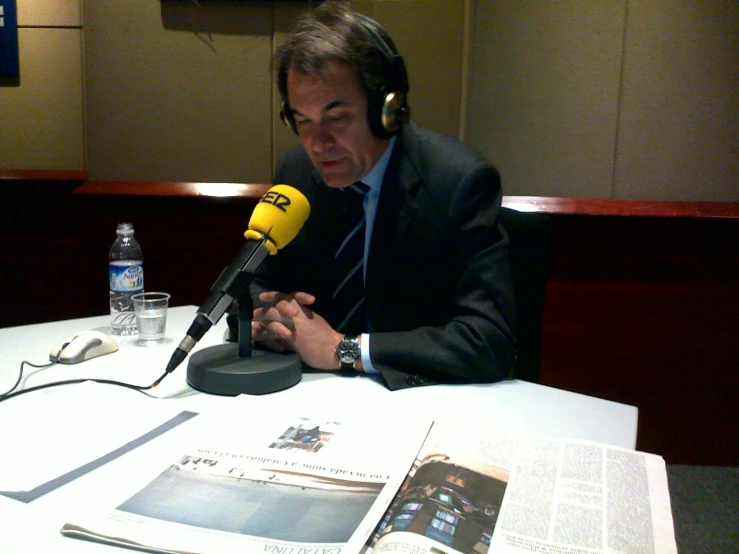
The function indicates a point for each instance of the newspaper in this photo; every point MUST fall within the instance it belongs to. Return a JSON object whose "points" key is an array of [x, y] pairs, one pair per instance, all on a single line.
{"points": [[474, 491], [287, 485]]}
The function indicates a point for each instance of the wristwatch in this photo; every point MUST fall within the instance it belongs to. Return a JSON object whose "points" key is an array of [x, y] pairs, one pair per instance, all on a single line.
{"points": [[348, 351]]}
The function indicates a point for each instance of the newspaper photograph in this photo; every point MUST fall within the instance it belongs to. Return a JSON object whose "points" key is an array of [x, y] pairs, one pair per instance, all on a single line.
{"points": [[473, 492], [304, 486], [451, 499]]}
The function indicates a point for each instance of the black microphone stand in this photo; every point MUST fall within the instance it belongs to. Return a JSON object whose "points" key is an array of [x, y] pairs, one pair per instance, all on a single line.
{"points": [[237, 368]]}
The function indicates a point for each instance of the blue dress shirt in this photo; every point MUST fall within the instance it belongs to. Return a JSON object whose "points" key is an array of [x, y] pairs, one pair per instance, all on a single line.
{"points": [[373, 180]]}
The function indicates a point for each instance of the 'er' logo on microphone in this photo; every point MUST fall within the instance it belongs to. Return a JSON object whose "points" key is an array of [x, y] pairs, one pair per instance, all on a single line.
{"points": [[277, 200]]}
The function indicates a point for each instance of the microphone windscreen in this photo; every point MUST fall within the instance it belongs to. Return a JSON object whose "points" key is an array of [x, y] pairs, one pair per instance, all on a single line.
{"points": [[279, 215]]}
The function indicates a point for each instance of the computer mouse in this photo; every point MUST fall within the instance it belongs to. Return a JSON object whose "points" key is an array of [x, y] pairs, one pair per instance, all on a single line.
{"points": [[83, 346]]}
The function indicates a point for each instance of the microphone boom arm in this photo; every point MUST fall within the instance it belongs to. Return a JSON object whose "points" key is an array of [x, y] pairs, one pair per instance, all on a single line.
{"points": [[232, 283], [234, 280]]}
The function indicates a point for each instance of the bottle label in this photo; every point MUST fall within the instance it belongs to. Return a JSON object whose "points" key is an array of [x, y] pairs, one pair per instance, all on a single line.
{"points": [[126, 276]]}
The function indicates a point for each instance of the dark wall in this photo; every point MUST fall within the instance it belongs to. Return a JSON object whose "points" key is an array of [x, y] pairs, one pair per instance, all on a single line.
{"points": [[54, 252], [645, 311]]}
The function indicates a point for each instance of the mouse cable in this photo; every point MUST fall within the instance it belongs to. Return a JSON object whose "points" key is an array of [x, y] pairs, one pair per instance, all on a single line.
{"points": [[10, 394], [20, 375]]}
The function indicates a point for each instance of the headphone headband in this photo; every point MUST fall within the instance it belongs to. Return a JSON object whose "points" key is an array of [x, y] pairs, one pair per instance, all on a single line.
{"points": [[370, 27], [398, 78]]}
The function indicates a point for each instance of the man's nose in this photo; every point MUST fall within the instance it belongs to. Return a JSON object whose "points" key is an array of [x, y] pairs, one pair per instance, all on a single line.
{"points": [[323, 139]]}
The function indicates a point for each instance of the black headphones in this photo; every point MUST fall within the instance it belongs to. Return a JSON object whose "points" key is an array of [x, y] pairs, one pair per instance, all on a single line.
{"points": [[387, 104]]}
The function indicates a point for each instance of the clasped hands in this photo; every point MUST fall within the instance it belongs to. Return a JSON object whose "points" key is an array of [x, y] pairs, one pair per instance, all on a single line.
{"points": [[289, 324]]}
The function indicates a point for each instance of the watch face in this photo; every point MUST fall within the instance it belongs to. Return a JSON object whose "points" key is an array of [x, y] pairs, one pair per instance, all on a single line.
{"points": [[348, 351]]}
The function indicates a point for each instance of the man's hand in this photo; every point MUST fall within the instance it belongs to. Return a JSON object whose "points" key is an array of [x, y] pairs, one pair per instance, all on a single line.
{"points": [[289, 324]]}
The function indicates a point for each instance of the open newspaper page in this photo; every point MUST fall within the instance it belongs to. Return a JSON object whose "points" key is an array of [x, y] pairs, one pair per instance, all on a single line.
{"points": [[451, 499], [577, 497], [474, 491], [284, 485]]}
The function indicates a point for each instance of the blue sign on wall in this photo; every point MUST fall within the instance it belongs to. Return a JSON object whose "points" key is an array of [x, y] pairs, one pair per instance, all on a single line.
{"points": [[8, 38]]}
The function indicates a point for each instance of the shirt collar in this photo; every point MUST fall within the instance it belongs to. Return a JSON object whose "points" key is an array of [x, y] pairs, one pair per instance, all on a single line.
{"points": [[374, 178]]}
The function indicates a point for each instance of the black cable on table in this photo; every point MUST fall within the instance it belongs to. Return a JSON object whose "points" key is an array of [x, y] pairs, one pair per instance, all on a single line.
{"points": [[10, 394]]}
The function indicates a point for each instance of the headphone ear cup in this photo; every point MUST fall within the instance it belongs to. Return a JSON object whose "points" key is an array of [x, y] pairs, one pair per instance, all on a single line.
{"points": [[287, 117], [375, 104], [395, 112], [386, 113]]}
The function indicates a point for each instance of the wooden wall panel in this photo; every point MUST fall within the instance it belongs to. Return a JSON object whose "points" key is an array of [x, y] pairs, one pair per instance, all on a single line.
{"points": [[41, 120], [679, 121], [178, 91], [284, 138], [630, 99], [543, 94], [59, 13]]}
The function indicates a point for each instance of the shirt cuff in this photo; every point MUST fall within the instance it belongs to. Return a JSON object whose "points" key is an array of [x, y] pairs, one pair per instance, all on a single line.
{"points": [[366, 363]]}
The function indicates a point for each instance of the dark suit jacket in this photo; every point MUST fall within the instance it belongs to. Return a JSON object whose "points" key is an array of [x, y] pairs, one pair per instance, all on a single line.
{"points": [[438, 290]]}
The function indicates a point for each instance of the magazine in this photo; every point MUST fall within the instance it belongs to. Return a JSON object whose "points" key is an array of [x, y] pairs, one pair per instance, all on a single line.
{"points": [[287, 485], [474, 491], [318, 486]]}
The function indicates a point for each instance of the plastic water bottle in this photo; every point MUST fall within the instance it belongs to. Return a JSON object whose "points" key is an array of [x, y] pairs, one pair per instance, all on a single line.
{"points": [[126, 270]]}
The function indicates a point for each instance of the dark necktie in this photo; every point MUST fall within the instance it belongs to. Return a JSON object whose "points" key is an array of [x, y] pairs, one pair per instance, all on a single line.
{"points": [[348, 294]]}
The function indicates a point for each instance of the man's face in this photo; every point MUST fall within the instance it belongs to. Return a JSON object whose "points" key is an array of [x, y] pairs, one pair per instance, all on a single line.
{"points": [[330, 112]]}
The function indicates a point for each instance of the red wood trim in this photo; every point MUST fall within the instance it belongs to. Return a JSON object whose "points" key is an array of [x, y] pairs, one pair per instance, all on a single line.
{"points": [[173, 189], [607, 206], [538, 204], [43, 175]]}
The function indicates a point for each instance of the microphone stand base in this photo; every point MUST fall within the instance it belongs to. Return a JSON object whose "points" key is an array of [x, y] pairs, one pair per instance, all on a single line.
{"points": [[220, 370]]}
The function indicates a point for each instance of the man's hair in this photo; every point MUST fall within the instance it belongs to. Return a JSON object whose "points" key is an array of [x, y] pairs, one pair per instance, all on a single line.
{"points": [[333, 33]]}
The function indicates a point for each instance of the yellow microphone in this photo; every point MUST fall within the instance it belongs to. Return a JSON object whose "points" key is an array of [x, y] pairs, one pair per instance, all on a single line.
{"points": [[277, 218]]}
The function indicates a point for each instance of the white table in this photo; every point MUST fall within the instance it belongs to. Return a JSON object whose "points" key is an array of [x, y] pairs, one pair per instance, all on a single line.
{"points": [[34, 526]]}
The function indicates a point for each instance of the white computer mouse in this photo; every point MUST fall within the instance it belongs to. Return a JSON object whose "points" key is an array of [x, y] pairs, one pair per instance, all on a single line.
{"points": [[82, 346]]}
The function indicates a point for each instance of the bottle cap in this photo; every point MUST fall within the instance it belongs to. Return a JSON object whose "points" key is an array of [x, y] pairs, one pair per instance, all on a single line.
{"points": [[124, 228]]}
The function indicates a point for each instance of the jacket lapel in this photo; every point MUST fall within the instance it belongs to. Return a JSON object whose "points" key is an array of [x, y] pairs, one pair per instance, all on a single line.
{"points": [[397, 207]]}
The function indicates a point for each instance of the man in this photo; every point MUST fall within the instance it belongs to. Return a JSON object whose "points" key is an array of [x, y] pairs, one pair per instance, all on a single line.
{"points": [[430, 299]]}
